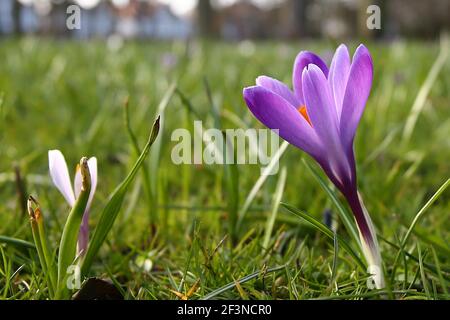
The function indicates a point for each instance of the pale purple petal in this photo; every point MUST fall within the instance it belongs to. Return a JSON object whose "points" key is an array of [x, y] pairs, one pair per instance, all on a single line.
{"points": [[356, 94], [276, 113], [83, 235], [322, 113], [337, 78], [319, 104], [302, 60], [279, 88], [77, 181], [92, 165], [60, 175]]}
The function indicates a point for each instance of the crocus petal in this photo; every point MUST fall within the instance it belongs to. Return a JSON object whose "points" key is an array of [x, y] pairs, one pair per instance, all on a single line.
{"points": [[279, 88], [302, 60], [321, 111], [60, 175], [92, 164], [77, 181], [276, 113], [356, 94], [319, 104], [337, 78], [83, 235]]}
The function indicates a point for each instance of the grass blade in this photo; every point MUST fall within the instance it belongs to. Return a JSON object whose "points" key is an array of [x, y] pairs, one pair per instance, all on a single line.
{"points": [[429, 266], [422, 272], [425, 89], [422, 211], [276, 203], [231, 181], [137, 150], [156, 154], [325, 230], [19, 243], [231, 285], [113, 206], [345, 216], [40, 240], [259, 183], [439, 273], [414, 222]]}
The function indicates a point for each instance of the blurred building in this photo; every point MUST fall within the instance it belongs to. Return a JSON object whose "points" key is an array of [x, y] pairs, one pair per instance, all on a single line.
{"points": [[158, 21], [143, 19], [336, 19], [242, 19]]}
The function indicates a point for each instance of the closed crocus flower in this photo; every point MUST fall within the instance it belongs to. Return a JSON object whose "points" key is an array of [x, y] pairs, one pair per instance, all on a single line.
{"points": [[60, 177], [320, 116]]}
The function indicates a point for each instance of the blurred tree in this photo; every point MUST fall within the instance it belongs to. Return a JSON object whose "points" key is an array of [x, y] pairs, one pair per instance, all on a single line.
{"points": [[417, 18], [16, 11], [363, 15], [205, 16], [384, 17], [299, 8]]}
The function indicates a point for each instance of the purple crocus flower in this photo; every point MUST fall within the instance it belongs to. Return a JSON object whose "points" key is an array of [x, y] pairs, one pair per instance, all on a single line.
{"points": [[61, 179], [320, 116]]}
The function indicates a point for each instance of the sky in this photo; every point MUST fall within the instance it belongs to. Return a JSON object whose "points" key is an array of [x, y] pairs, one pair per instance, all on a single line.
{"points": [[180, 7]]}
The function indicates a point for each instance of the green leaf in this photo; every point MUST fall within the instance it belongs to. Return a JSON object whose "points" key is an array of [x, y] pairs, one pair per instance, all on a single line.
{"points": [[19, 243], [48, 256], [69, 238], [137, 149], [345, 216], [276, 203], [231, 182], [429, 266], [112, 208], [422, 211], [435, 240], [325, 230], [155, 156], [425, 89], [416, 219], [422, 272], [441, 278], [231, 285], [259, 183]]}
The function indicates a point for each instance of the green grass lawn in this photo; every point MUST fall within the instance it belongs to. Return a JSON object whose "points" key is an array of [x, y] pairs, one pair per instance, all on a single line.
{"points": [[177, 228]]}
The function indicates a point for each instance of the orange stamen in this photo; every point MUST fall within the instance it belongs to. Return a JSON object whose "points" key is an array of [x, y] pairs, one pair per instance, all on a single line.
{"points": [[302, 110]]}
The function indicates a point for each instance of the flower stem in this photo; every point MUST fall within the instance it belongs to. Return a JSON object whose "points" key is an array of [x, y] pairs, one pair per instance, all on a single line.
{"points": [[42, 246], [368, 238]]}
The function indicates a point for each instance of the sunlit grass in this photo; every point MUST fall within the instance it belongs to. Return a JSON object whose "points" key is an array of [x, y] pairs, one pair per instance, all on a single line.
{"points": [[185, 219]]}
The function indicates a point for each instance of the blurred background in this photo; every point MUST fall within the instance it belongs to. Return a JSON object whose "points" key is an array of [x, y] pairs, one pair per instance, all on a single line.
{"points": [[225, 19]]}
